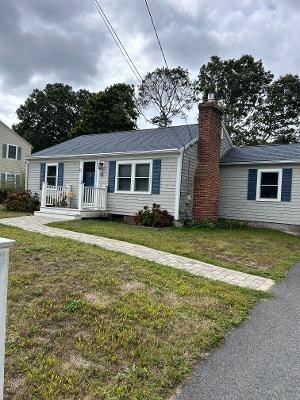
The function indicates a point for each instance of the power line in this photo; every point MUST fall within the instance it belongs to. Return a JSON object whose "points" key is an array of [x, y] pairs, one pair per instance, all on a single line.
{"points": [[125, 54], [117, 41], [157, 37], [163, 54]]}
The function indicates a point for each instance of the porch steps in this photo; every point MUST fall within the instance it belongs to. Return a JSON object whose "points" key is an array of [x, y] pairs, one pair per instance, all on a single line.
{"points": [[70, 213]]}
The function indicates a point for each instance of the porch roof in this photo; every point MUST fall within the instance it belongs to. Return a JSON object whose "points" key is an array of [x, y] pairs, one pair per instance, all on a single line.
{"points": [[154, 139]]}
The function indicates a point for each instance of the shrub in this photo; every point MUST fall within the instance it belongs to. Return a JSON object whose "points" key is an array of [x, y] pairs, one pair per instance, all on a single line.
{"points": [[154, 217], [4, 191], [22, 201], [10, 187]]}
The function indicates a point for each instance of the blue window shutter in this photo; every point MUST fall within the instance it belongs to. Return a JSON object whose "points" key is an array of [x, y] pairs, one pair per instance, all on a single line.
{"points": [[111, 176], [4, 150], [252, 181], [2, 177], [286, 188], [156, 168], [42, 174], [19, 153], [60, 175]]}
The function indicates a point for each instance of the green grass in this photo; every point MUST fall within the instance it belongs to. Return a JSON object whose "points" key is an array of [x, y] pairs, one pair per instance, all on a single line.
{"points": [[256, 251], [10, 214], [87, 323]]}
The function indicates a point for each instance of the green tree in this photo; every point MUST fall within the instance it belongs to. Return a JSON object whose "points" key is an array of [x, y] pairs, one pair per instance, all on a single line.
{"points": [[112, 110], [48, 115], [168, 92], [241, 85], [278, 120]]}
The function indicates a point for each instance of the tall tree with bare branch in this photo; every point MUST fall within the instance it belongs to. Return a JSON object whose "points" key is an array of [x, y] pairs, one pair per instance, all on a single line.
{"points": [[167, 92]]}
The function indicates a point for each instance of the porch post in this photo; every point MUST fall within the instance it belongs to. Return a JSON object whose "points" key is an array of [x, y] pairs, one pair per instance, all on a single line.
{"points": [[80, 195], [43, 199], [5, 244]]}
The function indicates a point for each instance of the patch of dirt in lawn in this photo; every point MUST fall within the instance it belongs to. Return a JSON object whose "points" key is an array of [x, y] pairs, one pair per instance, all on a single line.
{"points": [[76, 361], [132, 286], [97, 299], [14, 385]]}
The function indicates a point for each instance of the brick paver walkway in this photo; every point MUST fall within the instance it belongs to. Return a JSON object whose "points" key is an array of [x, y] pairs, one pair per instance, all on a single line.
{"points": [[37, 224]]}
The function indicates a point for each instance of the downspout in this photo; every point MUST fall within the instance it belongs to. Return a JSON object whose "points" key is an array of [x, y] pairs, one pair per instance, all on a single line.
{"points": [[178, 185], [26, 174]]}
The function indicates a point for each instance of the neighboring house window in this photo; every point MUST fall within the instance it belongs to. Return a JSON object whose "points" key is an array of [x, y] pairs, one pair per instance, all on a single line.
{"points": [[269, 185], [51, 174], [133, 176], [11, 151], [10, 178]]}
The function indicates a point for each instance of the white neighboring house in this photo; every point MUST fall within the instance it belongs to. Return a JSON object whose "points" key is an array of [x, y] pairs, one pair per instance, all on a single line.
{"points": [[14, 150]]}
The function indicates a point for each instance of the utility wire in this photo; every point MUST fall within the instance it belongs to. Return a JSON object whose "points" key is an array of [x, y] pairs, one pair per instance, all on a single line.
{"points": [[118, 41], [164, 57], [125, 54], [156, 34]]}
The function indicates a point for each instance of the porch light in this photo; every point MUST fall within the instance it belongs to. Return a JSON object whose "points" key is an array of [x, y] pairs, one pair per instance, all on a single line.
{"points": [[101, 167]]}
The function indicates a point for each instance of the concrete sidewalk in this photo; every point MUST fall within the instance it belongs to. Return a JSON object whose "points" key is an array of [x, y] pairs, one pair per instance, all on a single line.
{"points": [[260, 360], [37, 224]]}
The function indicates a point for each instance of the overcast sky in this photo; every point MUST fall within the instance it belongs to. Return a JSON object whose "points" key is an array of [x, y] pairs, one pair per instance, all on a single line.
{"points": [[66, 41]]}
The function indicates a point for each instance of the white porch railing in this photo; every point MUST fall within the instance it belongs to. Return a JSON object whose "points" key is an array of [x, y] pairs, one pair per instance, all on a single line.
{"points": [[92, 197], [88, 197], [55, 196]]}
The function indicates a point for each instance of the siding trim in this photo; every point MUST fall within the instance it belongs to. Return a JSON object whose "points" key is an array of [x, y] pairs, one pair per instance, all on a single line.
{"points": [[178, 186]]}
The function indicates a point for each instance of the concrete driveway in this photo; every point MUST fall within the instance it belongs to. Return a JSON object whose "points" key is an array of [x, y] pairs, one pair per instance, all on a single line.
{"points": [[261, 359]]}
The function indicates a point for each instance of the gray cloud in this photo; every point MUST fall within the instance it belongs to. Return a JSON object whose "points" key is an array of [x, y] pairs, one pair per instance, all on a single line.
{"points": [[66, 41]]}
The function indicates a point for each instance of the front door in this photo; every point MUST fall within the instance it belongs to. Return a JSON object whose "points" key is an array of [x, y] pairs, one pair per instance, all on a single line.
{"points": [[89, 173]]}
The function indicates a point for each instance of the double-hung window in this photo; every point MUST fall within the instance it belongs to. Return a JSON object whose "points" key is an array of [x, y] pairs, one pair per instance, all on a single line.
{"points": [[11, 178], [133, 176], [51, 174], [11, 152], [269, 184]]}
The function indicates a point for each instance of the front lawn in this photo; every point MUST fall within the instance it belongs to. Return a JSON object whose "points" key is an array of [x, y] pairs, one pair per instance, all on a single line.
{"points": [[256, 251], [87, 323], [4, 213]]}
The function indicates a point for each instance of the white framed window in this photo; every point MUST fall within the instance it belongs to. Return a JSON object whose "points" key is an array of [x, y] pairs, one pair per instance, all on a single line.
{"points": [[12, 151], [11, 178], [133, 176], [51, 176], [269, 182]]}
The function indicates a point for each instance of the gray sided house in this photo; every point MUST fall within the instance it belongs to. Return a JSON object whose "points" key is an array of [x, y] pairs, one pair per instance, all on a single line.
{"points": [[14, 150], [118, 173], [192, 171]]}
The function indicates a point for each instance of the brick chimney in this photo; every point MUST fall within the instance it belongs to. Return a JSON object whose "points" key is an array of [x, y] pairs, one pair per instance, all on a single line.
{"points": [[207, 174]]}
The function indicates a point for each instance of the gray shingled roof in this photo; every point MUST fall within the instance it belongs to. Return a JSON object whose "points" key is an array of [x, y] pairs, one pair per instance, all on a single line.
{"points": [[125, 142], [278, 152]]}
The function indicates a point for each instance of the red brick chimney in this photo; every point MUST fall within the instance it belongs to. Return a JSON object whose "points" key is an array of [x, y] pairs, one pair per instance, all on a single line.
{"points": [[207, 174]]}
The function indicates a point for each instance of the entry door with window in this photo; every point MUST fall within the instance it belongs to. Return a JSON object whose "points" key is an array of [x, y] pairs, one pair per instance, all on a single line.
{"points": [[89, 173]]}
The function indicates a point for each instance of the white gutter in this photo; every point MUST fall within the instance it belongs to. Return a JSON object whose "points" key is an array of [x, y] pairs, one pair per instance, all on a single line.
{"points": [[260, 162], [178, 185], [191, 143], [176, 150], [26, 174]]}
